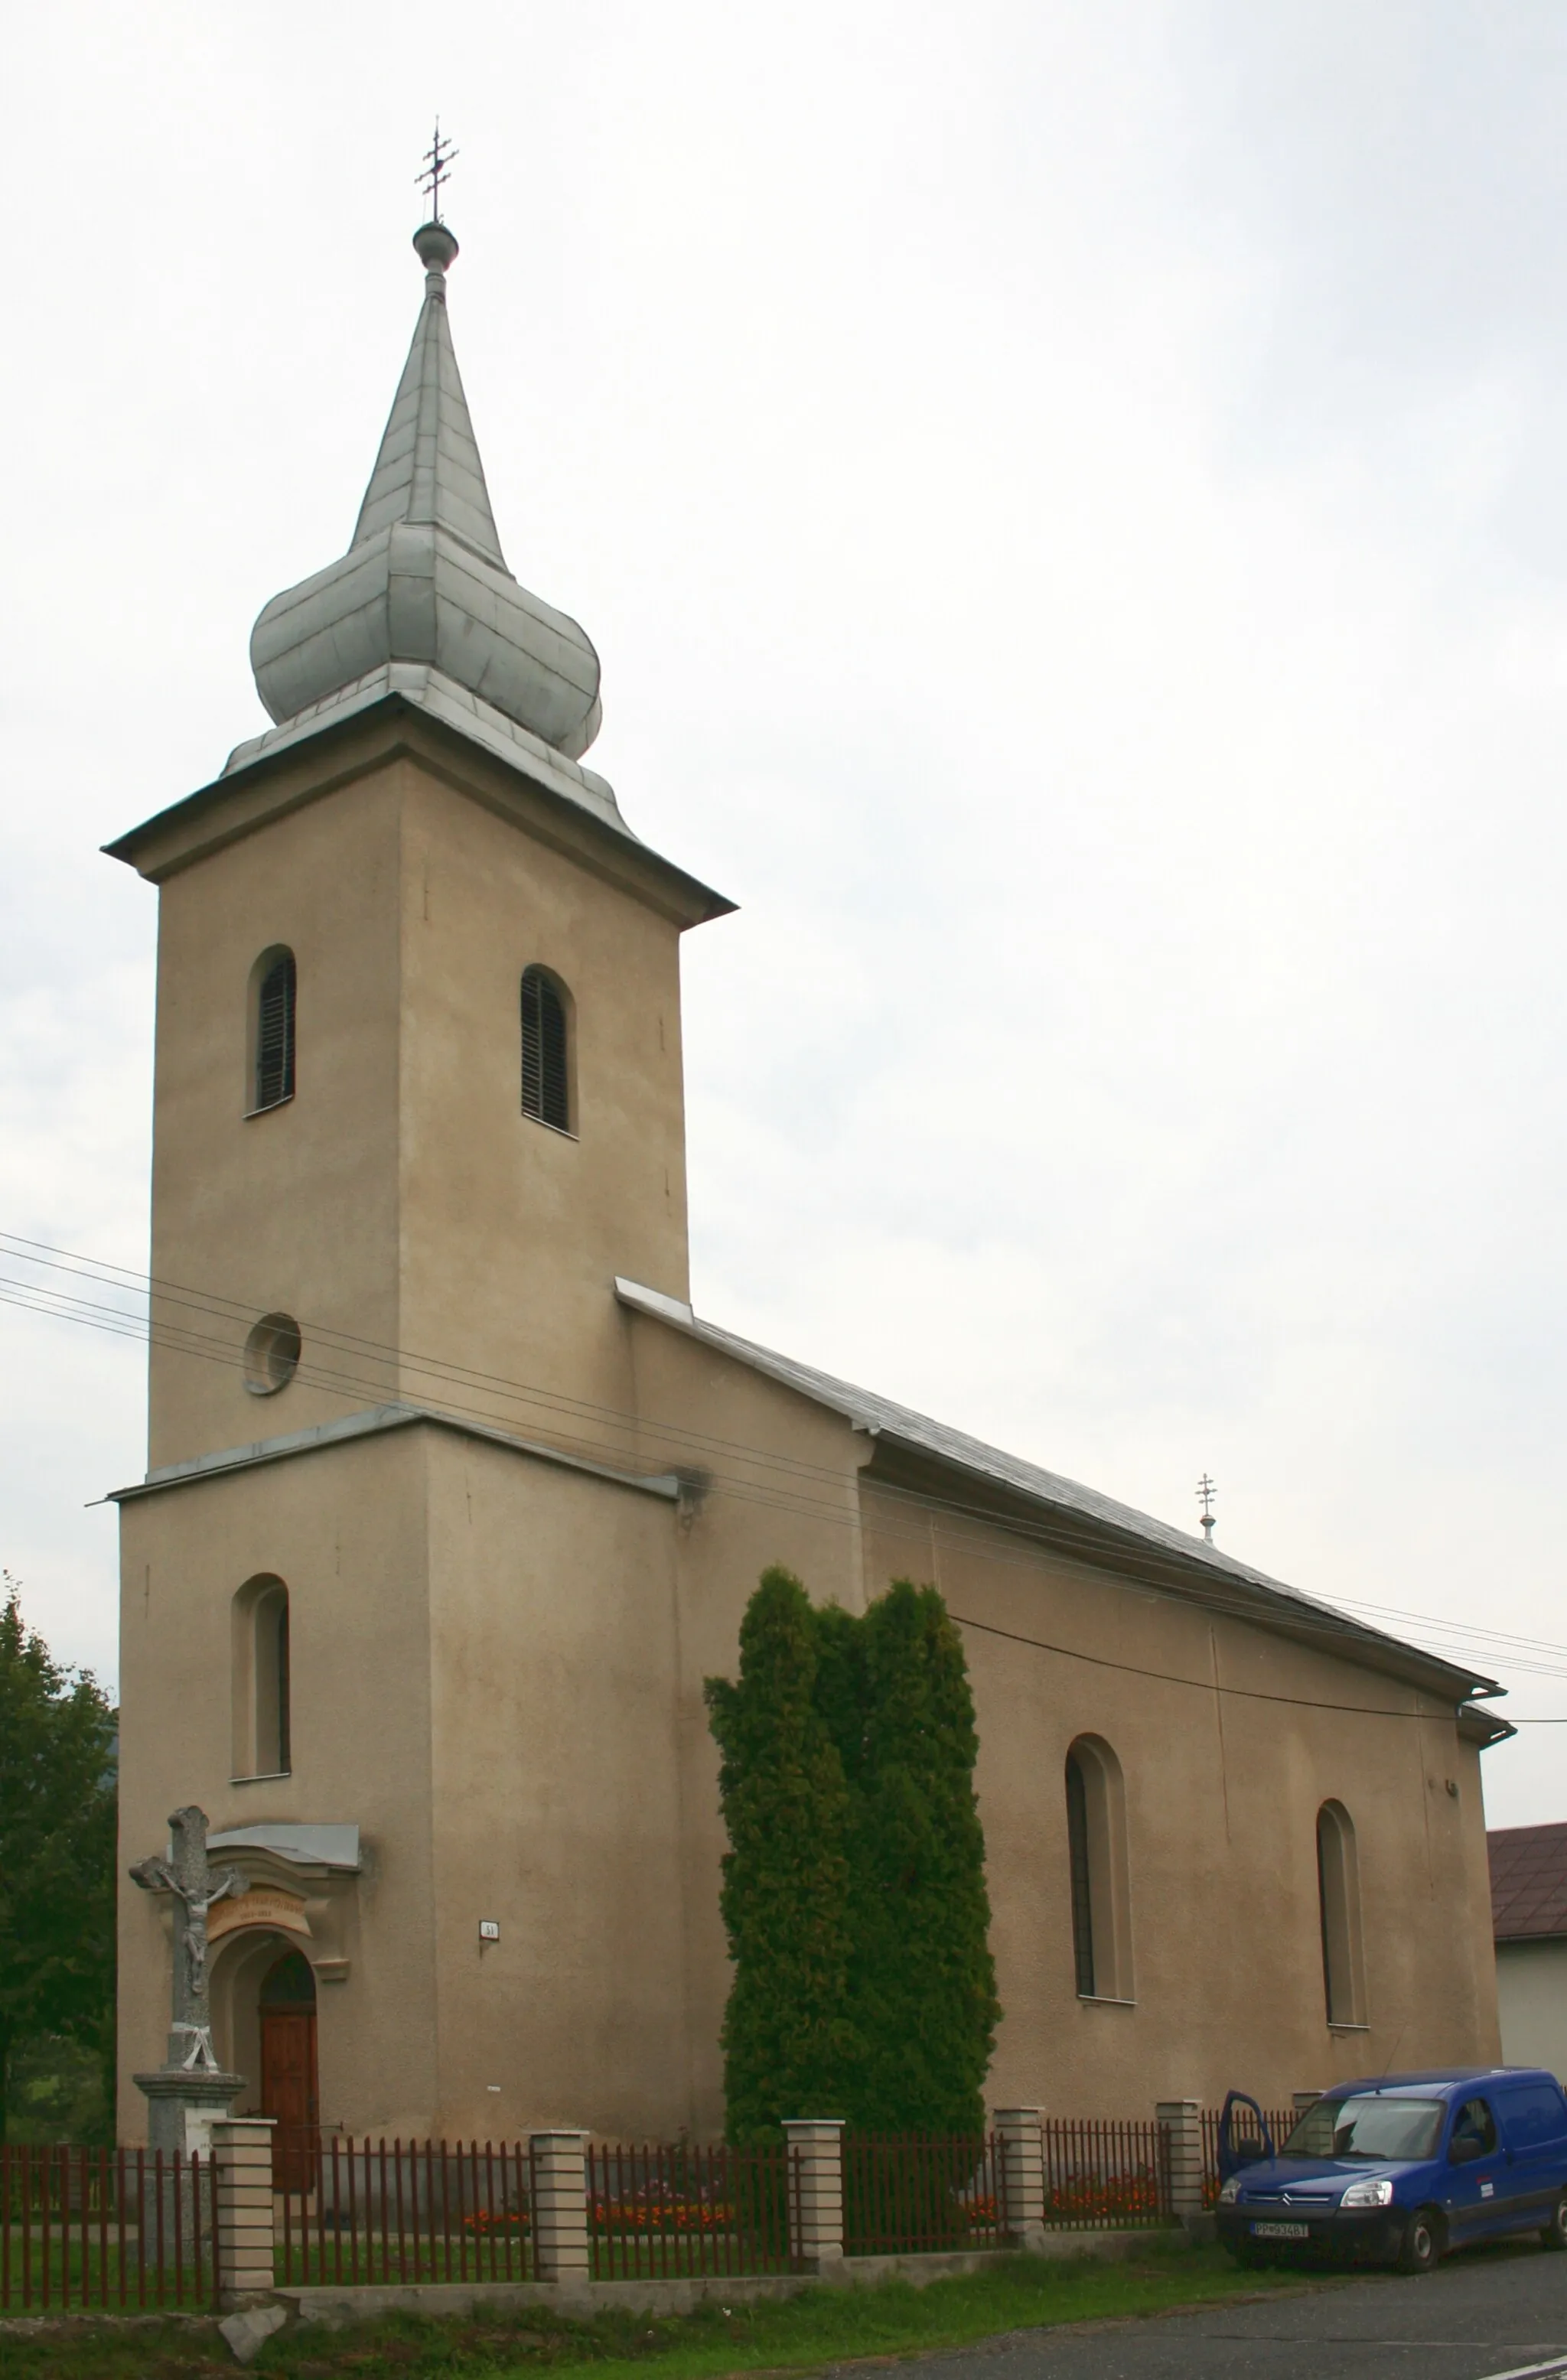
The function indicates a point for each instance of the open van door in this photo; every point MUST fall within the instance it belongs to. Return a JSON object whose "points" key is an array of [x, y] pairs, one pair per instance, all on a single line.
{"points": [[1244, 2136]]}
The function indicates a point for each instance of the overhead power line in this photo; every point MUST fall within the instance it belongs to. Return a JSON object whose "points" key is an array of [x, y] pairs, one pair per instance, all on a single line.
{"points": [[605, 1433]]}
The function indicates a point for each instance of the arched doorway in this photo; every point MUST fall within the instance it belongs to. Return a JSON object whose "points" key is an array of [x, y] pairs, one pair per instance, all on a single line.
{"points": [[287, 2012]]}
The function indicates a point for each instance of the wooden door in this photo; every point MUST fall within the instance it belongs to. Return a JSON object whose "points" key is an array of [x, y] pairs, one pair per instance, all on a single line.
{"points": [[288, 2094]]}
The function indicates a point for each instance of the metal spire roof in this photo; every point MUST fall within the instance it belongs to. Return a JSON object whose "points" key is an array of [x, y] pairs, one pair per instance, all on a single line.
{"points": [[427, 468], [425, 583]]}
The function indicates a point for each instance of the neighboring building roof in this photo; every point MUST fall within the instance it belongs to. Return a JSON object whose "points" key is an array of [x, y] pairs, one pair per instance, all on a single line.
{"points": [[1528, 1882], [1107, 1519]]}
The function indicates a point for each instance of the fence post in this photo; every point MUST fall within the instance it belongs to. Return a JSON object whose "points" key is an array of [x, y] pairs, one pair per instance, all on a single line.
{"points": [[242, 2252], [1182, 2123], [1021, 2176], [816, 2158], [561, 2250]]}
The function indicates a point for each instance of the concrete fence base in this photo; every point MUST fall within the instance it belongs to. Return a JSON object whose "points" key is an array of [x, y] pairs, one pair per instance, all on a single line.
{"points": [[335, 2308]]}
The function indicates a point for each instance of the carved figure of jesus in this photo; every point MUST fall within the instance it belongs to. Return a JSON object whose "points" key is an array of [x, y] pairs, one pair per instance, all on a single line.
{"points": [[195, 1885]]}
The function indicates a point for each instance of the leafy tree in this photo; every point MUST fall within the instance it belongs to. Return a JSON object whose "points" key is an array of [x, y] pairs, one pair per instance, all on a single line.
{"points": [[57, 1825], [787, 2041], [61, 2090]]}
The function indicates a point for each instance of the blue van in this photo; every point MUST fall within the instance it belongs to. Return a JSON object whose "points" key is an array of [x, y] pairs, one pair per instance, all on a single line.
{"points": [[1398, 2168]]}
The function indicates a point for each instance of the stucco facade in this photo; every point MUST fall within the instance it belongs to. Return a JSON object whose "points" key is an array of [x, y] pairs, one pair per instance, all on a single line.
{"points": [[1531, 1981], [1528, 1875], [517, 1496]]}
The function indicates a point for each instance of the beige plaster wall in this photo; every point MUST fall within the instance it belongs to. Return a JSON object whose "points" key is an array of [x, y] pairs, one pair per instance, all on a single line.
{"points": [[511, 1231], [401, 1197], [1222, 1795], [557, 1812], [345, 1529], [1531, 1980], [484, 1668], [296, 1209]]}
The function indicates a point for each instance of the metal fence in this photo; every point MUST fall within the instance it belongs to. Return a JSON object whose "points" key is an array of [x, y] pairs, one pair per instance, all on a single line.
{"points": [[118, 2230], [396, 2211], [1280, 2122], [680, 2209], [911, 2191], [1099, 2174], [127, 2228]]}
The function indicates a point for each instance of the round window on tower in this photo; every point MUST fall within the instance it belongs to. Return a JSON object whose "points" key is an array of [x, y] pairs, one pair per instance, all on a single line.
{"points": [[272, 1355]]}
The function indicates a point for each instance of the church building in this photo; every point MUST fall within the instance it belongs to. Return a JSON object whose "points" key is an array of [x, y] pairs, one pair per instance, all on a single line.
{"points": [[453, 1499]]}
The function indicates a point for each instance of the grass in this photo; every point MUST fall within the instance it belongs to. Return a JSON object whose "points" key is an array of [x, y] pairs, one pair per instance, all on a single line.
{"points": [[821, 2326]]}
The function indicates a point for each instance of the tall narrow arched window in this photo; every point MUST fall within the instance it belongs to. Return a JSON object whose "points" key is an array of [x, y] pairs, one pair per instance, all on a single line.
{"points": [[1082, 1875], [1100, 1884], [546, 1070], [1338, 1901], [274, 992], [262, 1745]]}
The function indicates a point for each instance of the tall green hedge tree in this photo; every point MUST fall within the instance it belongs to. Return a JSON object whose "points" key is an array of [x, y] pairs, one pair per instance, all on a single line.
{"points": [[922, 1980], [787, 2041], [58, 1816], [847, 1785]]}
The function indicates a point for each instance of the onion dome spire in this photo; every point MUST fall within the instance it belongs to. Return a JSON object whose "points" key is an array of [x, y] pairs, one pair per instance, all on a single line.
{"points": [[425, 580]]}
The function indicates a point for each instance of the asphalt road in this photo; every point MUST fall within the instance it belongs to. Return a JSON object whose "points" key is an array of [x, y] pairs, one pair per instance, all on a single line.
{"points": [[1486, 2314]]}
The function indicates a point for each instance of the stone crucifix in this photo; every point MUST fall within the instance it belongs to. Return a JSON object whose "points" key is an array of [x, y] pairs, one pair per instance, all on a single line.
{"points": [[196, 1885]]}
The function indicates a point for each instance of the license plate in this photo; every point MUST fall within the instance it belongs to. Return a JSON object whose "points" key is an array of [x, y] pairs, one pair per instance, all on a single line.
{"points": [[1281, 2231]]}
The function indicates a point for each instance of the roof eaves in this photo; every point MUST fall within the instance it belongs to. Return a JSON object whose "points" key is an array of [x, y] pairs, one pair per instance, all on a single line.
{"points": [[407, 693], [1100, 1517]]}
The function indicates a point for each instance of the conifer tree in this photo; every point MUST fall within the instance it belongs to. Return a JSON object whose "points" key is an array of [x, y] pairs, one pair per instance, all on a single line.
{"points": [[854, 1894], [922, 1981], [787, 2040]]}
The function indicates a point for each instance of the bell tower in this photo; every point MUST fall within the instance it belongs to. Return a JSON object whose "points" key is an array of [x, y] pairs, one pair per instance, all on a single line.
{"points": [[418, 1103], [419, 1074]]}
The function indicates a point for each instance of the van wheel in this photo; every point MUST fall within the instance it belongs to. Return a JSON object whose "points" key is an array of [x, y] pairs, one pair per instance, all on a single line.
{"points": [[1422, 2243], [1555, 2232]]}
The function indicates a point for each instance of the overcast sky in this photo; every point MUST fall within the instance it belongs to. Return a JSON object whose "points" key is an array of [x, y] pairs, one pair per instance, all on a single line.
{"points": [[1071, 502]]}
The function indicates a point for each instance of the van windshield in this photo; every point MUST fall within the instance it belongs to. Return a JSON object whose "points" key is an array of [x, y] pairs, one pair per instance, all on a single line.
{"points": [[1367, 2127]]}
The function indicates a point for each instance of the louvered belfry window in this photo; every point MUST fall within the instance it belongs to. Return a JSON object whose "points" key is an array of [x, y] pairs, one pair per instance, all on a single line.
{"points": [[545, 1087], [275, 1032]]}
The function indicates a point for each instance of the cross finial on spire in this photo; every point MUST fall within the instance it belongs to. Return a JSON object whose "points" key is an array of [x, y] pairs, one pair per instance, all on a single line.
{"points": [[438, 161], [1207, 1491]]}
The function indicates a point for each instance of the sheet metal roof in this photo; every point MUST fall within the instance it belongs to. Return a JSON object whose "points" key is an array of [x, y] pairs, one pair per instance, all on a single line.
{"points": [[884, 1418]]}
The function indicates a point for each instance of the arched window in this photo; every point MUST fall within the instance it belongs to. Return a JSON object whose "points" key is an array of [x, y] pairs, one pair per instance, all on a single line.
{"points": [[261, 1744], [273, 986], [546, 1075], [1338, 1898], [1096, 1841]]}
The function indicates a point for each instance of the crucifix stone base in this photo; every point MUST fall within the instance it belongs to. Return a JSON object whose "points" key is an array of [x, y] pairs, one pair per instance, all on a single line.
{"points": [[183, 2103]]}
